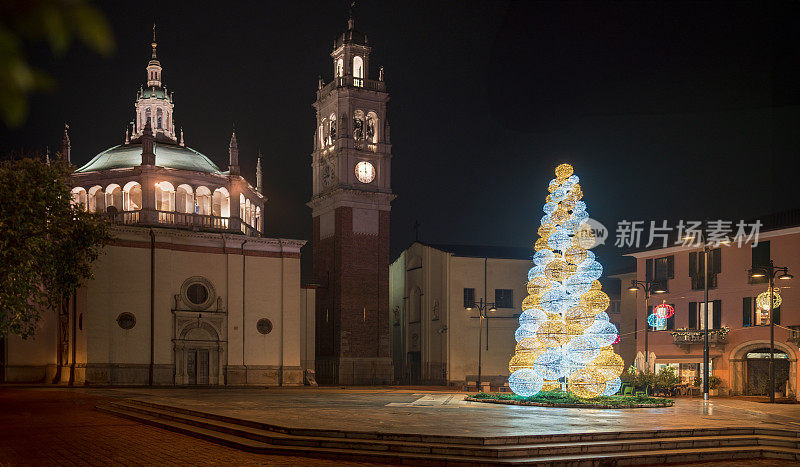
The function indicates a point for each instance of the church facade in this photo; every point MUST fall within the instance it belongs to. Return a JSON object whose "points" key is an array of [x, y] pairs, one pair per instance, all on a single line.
{"points": [[351, 203], [189, 292]]}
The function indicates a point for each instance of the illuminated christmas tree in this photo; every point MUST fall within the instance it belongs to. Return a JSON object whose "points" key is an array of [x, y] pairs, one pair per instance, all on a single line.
{"points": [[564, 338]]}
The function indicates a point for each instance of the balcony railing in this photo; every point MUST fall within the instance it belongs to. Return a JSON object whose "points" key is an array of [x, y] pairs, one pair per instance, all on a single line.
{"points": [[183, 220], [349, 81], [695, 336]]}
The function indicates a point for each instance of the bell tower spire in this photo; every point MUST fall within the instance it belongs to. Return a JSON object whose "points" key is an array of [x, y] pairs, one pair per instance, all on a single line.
{"points": [[154, 67]]}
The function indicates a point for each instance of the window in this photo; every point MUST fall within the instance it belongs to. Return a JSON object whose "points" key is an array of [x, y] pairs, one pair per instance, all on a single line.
{"points": [[339, 68], [760, 259], [698, 315], [264, 326], [197, 293], [697, 268], [358, 71], [126, 321], [747, 311], [660, 270], [469, 298], [159, 117], [504, 298]]}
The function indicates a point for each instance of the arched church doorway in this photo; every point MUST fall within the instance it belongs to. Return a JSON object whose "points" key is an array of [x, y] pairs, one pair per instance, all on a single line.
{"points": [[757, 368]]}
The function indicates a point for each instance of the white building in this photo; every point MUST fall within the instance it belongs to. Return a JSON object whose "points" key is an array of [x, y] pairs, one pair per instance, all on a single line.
{"points": [[435, 338], [188, 291]]}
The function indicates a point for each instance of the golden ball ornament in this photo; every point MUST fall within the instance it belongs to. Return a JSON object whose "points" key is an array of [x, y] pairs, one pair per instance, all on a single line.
{"points": [[531, 301], [564, 171], [553, 333], [575, 254], [539, 285], [586, 382], [762, 301], [545, 230], [595, 301], [556, 270]]}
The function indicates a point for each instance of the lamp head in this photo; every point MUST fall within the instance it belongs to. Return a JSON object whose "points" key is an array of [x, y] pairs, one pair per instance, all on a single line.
{"points": [[756, 274], [785, 276], [492, 308], [633, 287]]}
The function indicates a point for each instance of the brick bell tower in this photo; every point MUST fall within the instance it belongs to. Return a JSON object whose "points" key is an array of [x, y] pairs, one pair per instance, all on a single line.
{"points": [[351, 201]]}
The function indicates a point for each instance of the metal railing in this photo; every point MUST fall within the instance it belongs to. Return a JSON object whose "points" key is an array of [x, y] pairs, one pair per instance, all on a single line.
{"points": [[350, 81], [684, 337], [183, 220]]}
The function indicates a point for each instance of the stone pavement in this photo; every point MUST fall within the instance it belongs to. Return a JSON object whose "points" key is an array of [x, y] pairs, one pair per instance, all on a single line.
{"points": [[412, 411], [61, 427]]}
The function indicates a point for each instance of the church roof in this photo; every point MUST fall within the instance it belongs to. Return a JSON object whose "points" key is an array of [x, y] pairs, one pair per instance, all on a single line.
{"points": [[153, 91], [167, 155], [484, 251]]}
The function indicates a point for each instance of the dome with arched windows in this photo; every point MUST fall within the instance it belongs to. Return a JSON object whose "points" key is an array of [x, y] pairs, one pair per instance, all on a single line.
{"points": [[154, 179], [171, 156]]}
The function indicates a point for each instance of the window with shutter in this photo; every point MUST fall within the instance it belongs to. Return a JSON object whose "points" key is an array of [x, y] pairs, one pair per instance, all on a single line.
{"points": [[648, 270], [692, 264], [716, 261], [747, 311], [717, 310], [776, 314], [760, 259], [692, 315], [671, 266]]}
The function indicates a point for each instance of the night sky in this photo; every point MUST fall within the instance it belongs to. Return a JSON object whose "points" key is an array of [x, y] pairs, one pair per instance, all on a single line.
{"points": [[667, 110]]}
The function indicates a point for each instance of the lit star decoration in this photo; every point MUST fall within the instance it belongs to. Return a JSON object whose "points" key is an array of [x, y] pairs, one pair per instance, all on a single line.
{"points": [[565, 337]]}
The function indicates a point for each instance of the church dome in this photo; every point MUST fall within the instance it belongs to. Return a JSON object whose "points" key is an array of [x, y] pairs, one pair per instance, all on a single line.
{"points": [[171, 156]]}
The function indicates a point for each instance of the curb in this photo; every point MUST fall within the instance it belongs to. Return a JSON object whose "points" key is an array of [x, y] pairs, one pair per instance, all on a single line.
{"points": [[572, 406]]}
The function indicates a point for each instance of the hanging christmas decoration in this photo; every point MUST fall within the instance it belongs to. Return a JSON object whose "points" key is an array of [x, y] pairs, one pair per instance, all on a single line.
{"points": [[656, 321], [564, 338], [762, 301], [664, 311]]}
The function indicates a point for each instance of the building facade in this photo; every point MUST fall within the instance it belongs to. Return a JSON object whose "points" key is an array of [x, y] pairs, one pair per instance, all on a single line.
{"points": [[435, 339], [434, 292], [351, 167], [739, 332], [188, 292]]}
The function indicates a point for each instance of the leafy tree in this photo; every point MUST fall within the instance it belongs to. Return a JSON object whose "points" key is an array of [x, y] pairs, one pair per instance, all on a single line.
{"points": [[47, 245], [667, 378], [28, 22]]}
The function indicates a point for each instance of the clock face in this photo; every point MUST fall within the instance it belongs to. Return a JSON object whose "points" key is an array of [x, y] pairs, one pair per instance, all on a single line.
{"points": [[365, 172]]}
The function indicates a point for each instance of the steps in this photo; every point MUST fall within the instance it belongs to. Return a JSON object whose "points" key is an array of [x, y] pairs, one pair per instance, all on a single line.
{"points": [[608, 448]]}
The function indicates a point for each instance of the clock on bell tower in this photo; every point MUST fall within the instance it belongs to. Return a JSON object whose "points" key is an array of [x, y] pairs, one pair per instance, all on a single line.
{"points": [[352, 195]]}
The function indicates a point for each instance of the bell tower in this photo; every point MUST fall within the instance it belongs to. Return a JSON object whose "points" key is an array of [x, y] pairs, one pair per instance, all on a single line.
{"points": [[352, 195]]}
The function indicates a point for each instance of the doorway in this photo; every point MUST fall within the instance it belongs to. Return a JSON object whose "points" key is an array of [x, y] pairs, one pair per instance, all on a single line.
{"points": [[197, 366], [758, 372]]}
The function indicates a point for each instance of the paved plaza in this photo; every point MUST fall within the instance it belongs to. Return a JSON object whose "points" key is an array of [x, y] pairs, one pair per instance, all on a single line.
{"points": [[61, 426], [446, 413]]}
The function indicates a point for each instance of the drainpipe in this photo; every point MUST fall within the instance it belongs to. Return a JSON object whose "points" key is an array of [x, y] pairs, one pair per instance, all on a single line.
{"points": [[152, 304], [244, 270], [74, 337], [283, 315]]}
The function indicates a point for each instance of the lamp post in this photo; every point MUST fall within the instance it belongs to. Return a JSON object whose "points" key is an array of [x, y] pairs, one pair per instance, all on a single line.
{"points": [[706, 353], [649, 287], [770, 271], [482, 308]]}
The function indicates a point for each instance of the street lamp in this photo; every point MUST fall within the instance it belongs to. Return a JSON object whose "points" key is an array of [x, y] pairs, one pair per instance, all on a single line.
{"points": [[649, 287], [706, 251], [771, 271], [482, 307]]}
